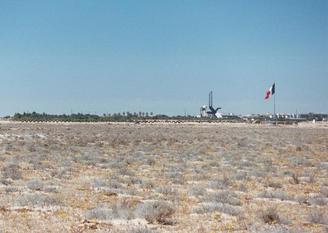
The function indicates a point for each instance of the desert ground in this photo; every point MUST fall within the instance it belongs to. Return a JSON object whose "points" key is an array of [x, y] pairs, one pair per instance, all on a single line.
{"points": [[154, 178]]}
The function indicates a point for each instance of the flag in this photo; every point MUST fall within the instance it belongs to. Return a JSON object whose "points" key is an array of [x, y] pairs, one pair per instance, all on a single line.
{"points": [[270, 92]]}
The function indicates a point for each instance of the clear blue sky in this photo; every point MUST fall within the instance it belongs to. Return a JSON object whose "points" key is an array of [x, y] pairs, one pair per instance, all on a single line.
{"points": [[162, 56]]}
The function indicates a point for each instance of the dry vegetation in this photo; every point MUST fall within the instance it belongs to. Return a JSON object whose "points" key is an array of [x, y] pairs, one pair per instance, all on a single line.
{"points": [[163, 178]]}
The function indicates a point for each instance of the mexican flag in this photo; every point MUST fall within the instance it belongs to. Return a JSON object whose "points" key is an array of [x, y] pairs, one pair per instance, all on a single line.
{"points": [[270, 92]]}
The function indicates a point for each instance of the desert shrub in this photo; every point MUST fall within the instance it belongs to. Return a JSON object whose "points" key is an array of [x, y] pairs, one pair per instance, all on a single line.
{"points": [[98, 183], [299, 229], [134, 229], [197, 170], [99, 213], [200, 177], [206, 207], [324, 191], [51, 189], [209, 207], [226, 197], [90, 157], [242, 188], [125, 171], [31, 148], [295, 179], [11, 171], [270, 216], [124, 209], [178, 179], [8, 147], [258, 173], [296, 161], [324, 165], [318, 200], [6, 182], [166, 190], [197, 191], [231, 210], [241, 175], [171, 174], [115, 184], [38, 161], [148, 184], [37, 200], [150, 161], [281, 195], [175, 176], [302, 199], [219, 183], [156, 211], [214, 163], [141, 229], [298, 148], [134, 180], [35, 184], [245, 163], [62, 172], [11, 189], [310, 178], [275, 229], [274, 185], [318, 216], [131, 191]]}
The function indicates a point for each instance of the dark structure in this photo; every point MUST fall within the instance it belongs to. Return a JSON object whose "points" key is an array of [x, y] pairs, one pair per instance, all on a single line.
{"points": [[212, 111]]}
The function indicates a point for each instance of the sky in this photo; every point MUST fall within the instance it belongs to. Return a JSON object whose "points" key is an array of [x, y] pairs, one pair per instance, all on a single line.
{"points": [[103, 56]]}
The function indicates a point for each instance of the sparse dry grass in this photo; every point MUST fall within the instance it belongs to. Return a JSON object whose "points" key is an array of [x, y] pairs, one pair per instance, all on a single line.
{"points": [[163, 178]]}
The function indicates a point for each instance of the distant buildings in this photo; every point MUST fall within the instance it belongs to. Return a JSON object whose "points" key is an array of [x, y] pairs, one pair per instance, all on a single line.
{"points": [[286, 117]]}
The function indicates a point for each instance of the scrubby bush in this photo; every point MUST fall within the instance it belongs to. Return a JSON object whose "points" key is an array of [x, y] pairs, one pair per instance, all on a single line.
{"points": [[99, 213], [166, 190], [219, 183], [324, 191], [51, 189], [206, 207], [302, 199], [210, 207], [241, 175], [11, 171], [295, 178], [318, 200], [281, 195], [37, 200], [11, 189], [156, 211], [274, 185], [5, 181], [227, 197], [318, 216], [275, 229], [231, 210], [270, 216], [64, 172], [124, 209], [35, 184], [147, 184], [133, 229], [197, 191]]}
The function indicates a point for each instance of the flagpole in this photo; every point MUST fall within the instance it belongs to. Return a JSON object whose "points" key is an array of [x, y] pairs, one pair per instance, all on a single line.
{"points": [[274, 105]]}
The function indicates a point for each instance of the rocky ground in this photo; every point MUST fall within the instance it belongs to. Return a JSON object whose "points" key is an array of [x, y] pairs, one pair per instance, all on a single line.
{"points": [[148, 178]]}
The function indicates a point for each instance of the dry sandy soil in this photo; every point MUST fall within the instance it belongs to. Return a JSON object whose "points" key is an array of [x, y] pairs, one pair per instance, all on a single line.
{"points": [[129, 178]]}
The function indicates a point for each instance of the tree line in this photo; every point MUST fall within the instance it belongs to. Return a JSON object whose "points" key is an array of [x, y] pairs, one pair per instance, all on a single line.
{"points": [[81, 117]]}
